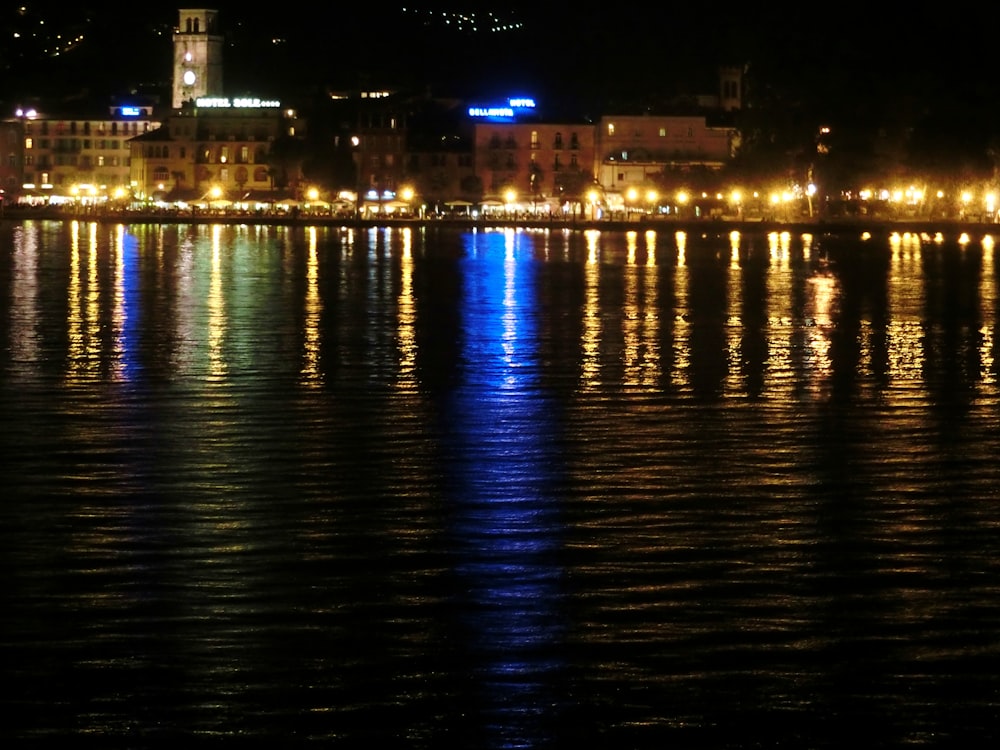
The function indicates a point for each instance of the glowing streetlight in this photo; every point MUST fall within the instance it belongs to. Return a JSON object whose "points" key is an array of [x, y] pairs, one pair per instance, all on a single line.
{"points": [[651, 198], [592, 198]]}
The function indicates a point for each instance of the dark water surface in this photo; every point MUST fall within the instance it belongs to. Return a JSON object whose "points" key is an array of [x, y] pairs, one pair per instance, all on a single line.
{"points": [[431, 488]]}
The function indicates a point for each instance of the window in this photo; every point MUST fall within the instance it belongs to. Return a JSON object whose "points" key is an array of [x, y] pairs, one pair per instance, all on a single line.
{"points": [[534, 139], [29, 143], [663, 132], [611, 128], [574, 141], [244, 154], [100, 161], [558, 143]]}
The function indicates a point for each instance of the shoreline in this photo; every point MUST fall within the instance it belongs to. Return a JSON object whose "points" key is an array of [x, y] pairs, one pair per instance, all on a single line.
{"points": [[872, 226]]}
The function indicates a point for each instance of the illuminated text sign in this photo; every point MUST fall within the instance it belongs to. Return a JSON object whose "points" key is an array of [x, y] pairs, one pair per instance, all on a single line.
{"points": [[222, 102], [504, 111]]}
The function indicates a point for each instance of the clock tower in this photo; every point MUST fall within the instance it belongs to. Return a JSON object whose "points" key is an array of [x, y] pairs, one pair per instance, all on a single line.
{"points": [[197, 56]]}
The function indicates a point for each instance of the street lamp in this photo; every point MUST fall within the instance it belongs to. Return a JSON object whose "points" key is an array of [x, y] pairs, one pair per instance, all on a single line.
{"points": [[509, 197]]}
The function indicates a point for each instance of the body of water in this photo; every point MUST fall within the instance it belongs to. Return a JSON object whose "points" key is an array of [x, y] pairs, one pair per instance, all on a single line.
{"points": [[423, 487]]}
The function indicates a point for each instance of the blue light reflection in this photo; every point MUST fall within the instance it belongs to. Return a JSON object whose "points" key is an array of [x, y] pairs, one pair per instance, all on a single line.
{"points": [[501, 432]]}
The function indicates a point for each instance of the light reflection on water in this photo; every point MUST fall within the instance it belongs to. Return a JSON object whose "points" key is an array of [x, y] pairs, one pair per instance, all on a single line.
{"points": [[506, 488]]}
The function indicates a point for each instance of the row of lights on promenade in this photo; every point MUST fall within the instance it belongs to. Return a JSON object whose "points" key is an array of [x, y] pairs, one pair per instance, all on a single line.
{"points": [[634, 198]]}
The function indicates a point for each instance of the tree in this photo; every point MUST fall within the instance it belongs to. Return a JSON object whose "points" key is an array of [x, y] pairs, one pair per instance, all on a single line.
{"points": [[284, 161]]}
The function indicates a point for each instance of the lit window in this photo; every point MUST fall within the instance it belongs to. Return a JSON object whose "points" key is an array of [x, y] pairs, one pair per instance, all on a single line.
{"points": [[611, 128], [29, 142]]}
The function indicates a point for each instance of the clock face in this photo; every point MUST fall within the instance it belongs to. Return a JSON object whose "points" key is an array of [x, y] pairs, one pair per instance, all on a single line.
{"points": [[189, 78]]}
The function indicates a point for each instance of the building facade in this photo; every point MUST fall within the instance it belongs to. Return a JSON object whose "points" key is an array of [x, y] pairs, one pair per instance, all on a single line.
{"points": [[537, 163], [11, 158], [233, 149], [644, 150], [80, 154]]}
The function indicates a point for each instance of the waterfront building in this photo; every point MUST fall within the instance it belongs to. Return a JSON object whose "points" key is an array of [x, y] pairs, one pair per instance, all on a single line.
{"points": [[540, 166], [11, 158], [439, 156], [234, 150], [76, 153], [229, 149], [642, 152]]}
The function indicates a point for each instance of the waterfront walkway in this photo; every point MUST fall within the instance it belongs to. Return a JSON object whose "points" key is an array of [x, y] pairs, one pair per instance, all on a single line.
{"points": [[851, 225]]}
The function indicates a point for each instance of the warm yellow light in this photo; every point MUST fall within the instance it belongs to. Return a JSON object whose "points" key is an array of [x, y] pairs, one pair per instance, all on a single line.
{"points": [[407, 194], [313, 194], [510, 196], [216, 192], [736, 196], [682, 197], [651, 196], [592, 197]]}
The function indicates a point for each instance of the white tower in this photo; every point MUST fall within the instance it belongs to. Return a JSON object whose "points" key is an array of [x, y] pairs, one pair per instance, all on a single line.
{"points": [[197, 56]]}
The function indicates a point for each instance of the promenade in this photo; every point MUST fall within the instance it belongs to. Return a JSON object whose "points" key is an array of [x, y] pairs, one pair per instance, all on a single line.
{"points": [[875, 227]]}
